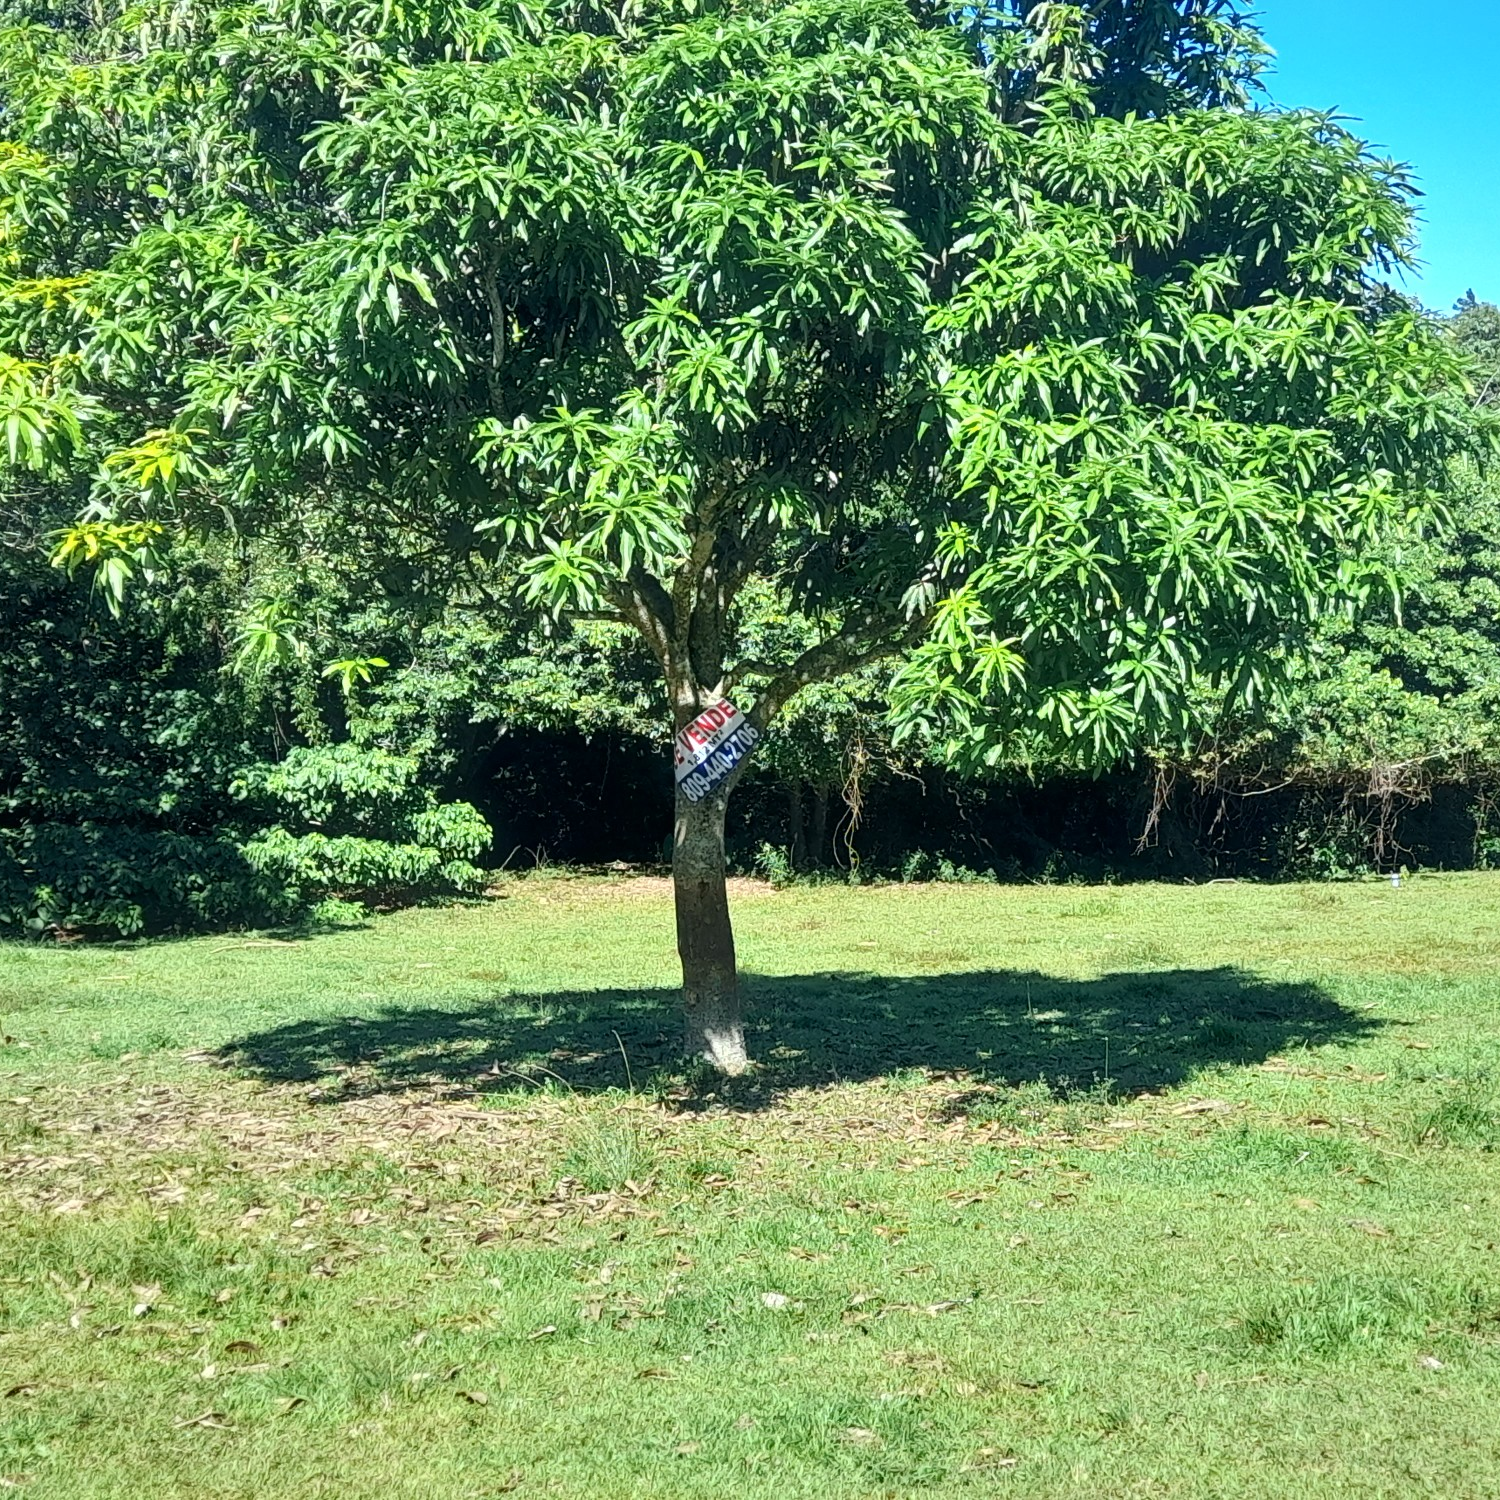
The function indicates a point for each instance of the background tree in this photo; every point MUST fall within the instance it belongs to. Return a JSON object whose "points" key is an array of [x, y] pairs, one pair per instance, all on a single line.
{"points": [[1002, 341], [1383, 710], [147, 785]]}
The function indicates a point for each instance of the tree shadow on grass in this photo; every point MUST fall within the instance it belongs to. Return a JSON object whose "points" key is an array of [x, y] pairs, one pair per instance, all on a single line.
{"points": [[1137, 1031]]}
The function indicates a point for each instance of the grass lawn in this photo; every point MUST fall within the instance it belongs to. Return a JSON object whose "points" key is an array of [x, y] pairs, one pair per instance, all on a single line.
{"points": [[1045, 1191]]}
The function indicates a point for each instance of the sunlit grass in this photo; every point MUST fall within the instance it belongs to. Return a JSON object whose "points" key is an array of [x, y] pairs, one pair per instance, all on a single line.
{"points": [[1037, 1191]]}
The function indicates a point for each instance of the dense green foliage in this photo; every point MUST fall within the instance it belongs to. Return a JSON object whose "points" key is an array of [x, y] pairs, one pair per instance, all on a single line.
{"points": [[361, 822], [1385, 710], [118, 740], [144, 785], [1006, 336], [463, 374]]}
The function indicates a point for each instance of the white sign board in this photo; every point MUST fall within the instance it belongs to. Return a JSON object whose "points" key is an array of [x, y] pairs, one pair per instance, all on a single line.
{"points": [[709, 748]]}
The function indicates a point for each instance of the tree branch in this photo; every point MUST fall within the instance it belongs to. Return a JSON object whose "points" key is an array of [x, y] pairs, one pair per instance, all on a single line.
{"points": [[644, 603], [496, 306], [686, 584], [848, 651], [744, 560]]}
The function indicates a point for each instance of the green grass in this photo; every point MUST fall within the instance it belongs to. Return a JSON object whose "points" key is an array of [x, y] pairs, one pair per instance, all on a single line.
{"points": [[1048, 1192]]}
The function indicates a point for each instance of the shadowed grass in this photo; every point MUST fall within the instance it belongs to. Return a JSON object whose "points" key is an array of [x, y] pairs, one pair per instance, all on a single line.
{"points": [[1136, 1030]]}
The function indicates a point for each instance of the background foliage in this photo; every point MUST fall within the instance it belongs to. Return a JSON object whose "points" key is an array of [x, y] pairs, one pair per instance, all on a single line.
{"points": [[1167, 364], [152, 777], [149, 781]]}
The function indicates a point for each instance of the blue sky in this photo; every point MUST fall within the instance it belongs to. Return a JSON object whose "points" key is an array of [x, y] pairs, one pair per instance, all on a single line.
{"points": [[1423, 82]]}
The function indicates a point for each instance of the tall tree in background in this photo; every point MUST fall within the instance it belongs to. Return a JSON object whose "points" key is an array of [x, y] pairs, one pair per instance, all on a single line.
{"points": [[1004, 341]]}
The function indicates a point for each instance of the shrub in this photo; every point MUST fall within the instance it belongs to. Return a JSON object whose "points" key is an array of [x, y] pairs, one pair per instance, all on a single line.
{"points": [[113, 878], [344, 825], [348, 822]]}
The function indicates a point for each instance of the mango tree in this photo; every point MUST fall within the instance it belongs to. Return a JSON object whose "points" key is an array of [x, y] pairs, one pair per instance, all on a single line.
{"points": [[1004, 342]]}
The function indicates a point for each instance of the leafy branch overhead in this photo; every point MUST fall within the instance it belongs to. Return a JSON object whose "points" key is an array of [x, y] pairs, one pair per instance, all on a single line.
{"points": [[1005, 340]]}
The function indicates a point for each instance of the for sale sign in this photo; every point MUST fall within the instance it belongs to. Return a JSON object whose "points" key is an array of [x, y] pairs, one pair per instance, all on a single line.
{"points": [[709, 748]]}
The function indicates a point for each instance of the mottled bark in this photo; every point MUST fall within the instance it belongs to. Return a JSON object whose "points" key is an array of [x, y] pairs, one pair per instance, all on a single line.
{"points": [[685, 626], [713, 1026]]}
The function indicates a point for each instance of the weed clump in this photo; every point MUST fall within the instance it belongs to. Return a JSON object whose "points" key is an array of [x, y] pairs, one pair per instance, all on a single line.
{"points": [[1465, 1119], [610, 1152]]}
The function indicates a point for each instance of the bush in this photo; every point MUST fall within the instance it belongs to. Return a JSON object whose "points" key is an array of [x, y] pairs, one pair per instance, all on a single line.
{"points": [[346, 826], [353, 823], [109, 878]]}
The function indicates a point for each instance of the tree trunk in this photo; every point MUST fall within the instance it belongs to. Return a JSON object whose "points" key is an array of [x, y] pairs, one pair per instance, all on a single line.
{"points": [[713, 1027], [797, 841], [819, 839]]}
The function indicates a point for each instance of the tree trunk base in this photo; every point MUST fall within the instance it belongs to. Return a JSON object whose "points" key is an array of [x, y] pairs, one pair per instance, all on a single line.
{"points": [[713, 1032]]}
